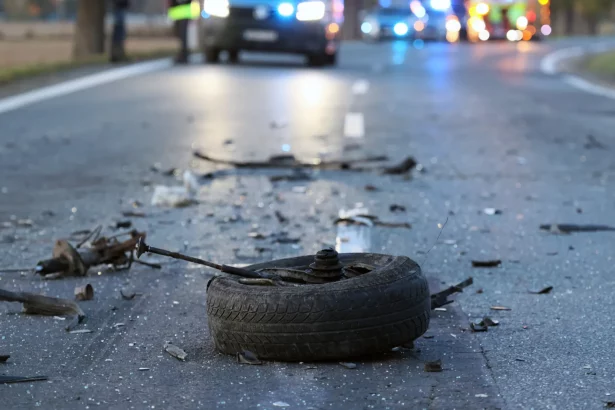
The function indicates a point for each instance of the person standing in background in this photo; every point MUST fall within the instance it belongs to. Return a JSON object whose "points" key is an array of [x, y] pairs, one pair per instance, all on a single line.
{"points": [[118, 38], [181, 12]]}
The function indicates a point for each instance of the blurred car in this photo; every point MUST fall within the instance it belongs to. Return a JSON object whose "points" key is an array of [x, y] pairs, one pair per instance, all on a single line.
{"points": [[308, 27], [387, 23], [437, 21]]}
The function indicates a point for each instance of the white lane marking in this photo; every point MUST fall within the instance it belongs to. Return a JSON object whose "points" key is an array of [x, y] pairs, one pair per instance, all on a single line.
{"points": [[354, 125], [590, 87], [68, 87], [549, 63], [360, 87]]}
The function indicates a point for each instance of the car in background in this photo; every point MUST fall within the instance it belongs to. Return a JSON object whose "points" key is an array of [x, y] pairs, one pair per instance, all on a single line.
{"points": [[437, 21], [308, 27], [381, 23]]}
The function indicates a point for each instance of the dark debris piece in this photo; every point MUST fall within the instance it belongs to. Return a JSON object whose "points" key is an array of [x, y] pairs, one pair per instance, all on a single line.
{"points": [[123, 225], [570, 228], [127, 294], [593, 143], [281, 218], [609, 404], [441, 298], [21, 379], [4, 357], [487, 264], [247, 357], [133, 214], [433, 367], [371, 188], [397, 208], [490, 322], [478, 326], [543, 291], [405, 166], [296, 176]]}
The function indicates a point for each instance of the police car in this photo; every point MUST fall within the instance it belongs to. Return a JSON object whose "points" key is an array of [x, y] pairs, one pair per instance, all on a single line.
{"points": [[308, 27]]}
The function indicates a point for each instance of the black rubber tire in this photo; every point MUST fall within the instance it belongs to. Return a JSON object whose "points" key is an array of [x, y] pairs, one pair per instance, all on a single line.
{"points": [[331, 59], [211, 55], [364, 315], [233, 56], [316, 60]]}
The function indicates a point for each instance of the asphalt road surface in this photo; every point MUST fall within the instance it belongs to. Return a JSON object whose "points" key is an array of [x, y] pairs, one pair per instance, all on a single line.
{"points": [[489, 129]]}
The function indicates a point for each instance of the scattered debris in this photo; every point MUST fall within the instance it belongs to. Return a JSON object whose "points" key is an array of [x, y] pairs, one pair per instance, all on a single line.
{"points": [[570, 228], [405, 166], [134, 214], [68, 261], [483, 324], [441, 298], [500, 308], [175, 351], [127, 294], [486, 264], [593, 143], [481, 395], [397, 208], [479, 291], [118, 325], [79, 331], [490, 322], [609, 404], [4, 357], [281, 218], [360, 216], [123, 225], [85, 292], [247, 357], [297, 175], [543, 291], [371, 188], [348, 365], [143, 369], [20, 379], [289, 161], [42, 305], [478, 326], [433, 367], [281, 404], [177, 196], [492, 211]]}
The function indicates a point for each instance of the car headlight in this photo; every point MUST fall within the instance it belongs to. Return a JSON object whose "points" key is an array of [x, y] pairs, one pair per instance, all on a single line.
{"points": [[310, 10], [216, 8]]}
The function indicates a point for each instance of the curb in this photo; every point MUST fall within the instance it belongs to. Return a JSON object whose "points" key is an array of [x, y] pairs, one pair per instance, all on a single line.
{"points": [[551, 65]]}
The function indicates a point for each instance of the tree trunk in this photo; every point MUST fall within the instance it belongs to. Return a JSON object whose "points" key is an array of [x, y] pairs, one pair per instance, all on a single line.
{"points": [[592, 25], [569, 21], [89, 28]]}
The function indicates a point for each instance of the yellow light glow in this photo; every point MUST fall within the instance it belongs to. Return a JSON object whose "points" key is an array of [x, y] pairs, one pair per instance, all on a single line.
{"points": [[522, 23], [543, 2], [334, 28], [527, 35], [482, 9], [419, 26], [452, 36]]}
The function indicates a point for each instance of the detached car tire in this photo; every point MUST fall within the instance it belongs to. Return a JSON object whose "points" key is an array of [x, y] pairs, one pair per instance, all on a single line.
{"points": [[367, 314]]}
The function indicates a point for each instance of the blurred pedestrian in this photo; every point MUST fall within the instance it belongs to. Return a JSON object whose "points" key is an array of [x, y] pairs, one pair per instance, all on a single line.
{"points": [[118, 38], [181, 12]]}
